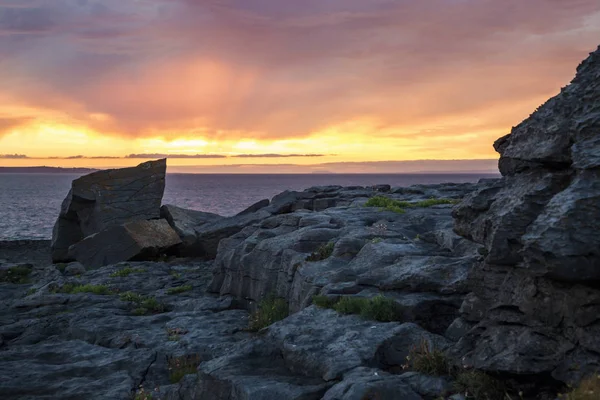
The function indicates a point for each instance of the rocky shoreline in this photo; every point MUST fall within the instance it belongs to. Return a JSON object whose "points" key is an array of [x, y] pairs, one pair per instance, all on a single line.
{"points": [[482, 291]]}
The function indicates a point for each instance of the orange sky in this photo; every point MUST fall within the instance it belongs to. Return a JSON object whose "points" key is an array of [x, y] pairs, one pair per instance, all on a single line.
{"points": [[341, 80]]}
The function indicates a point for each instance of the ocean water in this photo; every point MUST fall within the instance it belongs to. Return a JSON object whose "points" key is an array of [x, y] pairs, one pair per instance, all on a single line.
{"points": [[29, 203]]}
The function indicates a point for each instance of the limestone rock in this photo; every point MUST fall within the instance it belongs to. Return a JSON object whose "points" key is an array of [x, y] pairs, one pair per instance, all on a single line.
{"points": [[106, 199], [133, 240], [533, 305]]}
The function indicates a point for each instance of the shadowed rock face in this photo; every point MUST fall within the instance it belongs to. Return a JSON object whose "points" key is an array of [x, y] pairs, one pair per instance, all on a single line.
{"points": [[106, 199], [535, 301]]}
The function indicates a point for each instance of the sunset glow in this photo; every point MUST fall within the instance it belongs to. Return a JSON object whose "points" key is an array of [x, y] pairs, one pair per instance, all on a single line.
{"points": [[335, 81]]}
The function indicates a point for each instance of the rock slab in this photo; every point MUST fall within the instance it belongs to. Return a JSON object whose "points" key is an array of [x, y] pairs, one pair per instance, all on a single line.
{"points": [[535, 299], [106, 199]]}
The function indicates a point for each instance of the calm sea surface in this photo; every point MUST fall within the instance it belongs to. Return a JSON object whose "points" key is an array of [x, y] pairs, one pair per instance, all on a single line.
{"points": [[29, 203]]}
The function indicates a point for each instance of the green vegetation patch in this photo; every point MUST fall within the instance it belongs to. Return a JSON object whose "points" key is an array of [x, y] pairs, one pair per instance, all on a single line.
{"points": [[479, 385], [182, 366], [179, 289], [400, 207], [73, 288], [426, 359], [588, 389], [144, 305], [322, 253], [18, 274], [270, 310], [126, 272], [378, 308], [61, 267]]}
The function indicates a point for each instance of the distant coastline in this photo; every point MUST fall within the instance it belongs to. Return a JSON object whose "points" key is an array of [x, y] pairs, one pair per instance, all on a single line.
{"points": [[45, 170]]}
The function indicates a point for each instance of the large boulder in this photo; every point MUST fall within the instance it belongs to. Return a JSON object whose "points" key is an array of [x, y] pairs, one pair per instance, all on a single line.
{"points": [[134, 240], [534, 305], [106, 199]]}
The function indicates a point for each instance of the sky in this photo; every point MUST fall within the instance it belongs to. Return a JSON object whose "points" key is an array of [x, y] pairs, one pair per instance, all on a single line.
{"points": [[100, 83]]}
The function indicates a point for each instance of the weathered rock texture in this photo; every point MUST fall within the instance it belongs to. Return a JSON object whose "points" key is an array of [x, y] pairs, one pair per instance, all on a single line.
{"points": [[535, 301], [130, 241], [414, 257], [106, 199]]}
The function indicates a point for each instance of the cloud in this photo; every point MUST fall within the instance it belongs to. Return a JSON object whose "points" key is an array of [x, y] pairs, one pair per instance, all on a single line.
{"points": [[13, 156], [159, 155], [269, 69], [271, 155]]}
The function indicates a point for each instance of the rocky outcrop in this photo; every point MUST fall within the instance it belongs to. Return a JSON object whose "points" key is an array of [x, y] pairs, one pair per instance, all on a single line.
{"points": [[185, 222], [107, 199], [130, 241], [534, 306], [413, 257]]}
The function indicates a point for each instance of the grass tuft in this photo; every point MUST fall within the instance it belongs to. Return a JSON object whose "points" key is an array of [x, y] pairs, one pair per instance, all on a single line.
{"points": [[322, 253], [182, 366], [61, 267], [323, 301], [400, 207], [588, 389], [379, 308], [72, 288], [18, 275], [122, 273], [270, 310], [382, 309], [179, 289], [144, 305], [427, 360], [479, 385]]}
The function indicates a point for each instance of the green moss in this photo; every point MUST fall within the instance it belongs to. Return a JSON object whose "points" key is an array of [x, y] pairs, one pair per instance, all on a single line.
{"points": [[143, 305], [381, 308], [131, 296], [61, 267], [270, 310], [400, 207], [378, 308], [323, 252], [182, 366], [31, 291], [18, 275], [179, 289], [126, 272], [323, 301], [175, 275], [72, 288], [427, 360], [350, 305], [479, 385]]}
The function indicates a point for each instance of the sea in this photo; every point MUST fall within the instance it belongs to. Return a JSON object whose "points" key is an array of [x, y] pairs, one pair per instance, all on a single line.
{"points": [[30, 202]]}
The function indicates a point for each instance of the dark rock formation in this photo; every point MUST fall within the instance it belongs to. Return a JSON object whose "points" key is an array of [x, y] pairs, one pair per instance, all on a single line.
{"points": [[185, 222], [106, 199], [129, 241], [414, 258], [535, 301]]}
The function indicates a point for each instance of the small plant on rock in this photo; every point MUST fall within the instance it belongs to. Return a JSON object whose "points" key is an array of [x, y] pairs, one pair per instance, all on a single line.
{"points": [[324, 301], [382, 309], [72, 288], [174, 334], [18, 274], [350, 305], [322, 253], [479, 385], [270, 310], [182, 366], [144, 305], [179, 289], [588, 389], [425, 359]]}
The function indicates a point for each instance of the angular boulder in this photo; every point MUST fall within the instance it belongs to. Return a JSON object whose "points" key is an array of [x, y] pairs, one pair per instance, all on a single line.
{"points": [[107, 199], [534, 305], [185, 222], [130, 241]]}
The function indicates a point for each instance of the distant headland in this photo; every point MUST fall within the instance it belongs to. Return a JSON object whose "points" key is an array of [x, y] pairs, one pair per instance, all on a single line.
{"points": [[45, 170]]}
